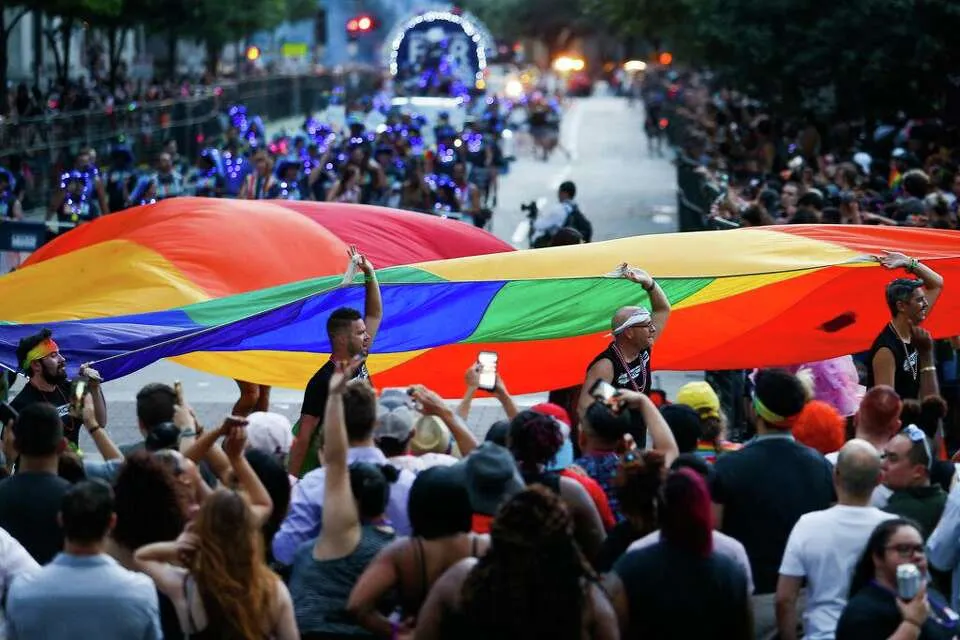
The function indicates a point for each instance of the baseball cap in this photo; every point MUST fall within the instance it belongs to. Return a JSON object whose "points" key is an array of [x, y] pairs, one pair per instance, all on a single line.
{"points": [[270, 433], [394, 422], [701, 397], [393, 398], [491, 477]]}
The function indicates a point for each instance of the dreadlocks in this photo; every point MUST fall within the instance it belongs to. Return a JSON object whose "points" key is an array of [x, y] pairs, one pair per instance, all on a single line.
{"points": [[530, 584]]}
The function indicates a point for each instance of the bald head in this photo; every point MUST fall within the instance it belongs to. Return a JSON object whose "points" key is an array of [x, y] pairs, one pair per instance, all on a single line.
{"points": [[622, 315], [879, 413], [858, 469]]}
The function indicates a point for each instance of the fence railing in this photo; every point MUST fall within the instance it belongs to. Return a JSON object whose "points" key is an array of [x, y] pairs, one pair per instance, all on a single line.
{"points": [[42, 148]]}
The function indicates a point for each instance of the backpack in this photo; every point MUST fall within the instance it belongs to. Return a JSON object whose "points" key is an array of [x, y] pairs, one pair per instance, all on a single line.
{"points": [[578, 221]]}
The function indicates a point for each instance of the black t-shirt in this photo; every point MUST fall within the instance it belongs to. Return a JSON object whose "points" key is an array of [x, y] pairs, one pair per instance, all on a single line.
{"points": [[873, 613], [29, 503], [615, 545], [636, 379], [674, 594], [315, 395], [906, 363], [59, 398], [764, 489]]}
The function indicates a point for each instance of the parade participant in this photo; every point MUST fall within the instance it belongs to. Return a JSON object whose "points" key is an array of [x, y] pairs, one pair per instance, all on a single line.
{"points": [[120, 177], [902, 355], [347, 187], [47, 381], [469, 196], [625, 363], [167, 181], [207, 179], [287, 186], [350, 334], [258, 183], [10, 208]]}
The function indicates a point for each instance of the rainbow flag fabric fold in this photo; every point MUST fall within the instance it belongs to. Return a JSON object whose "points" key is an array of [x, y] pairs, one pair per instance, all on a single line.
{"points": [[744, 298]]}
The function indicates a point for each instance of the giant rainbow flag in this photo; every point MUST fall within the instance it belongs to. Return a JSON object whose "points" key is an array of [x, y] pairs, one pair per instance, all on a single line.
{"points": [[243, 289]]}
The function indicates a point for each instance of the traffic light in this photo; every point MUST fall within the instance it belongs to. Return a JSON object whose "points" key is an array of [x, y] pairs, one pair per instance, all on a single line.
{"points": [[360, 24]]}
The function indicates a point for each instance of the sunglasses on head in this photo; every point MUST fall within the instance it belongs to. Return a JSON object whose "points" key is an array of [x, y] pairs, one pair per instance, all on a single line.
{"points": [[916, 434]]}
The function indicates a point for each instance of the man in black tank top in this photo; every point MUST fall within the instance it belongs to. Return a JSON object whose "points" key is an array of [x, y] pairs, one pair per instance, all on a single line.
{"points": [[625, 363], [902, 355]]}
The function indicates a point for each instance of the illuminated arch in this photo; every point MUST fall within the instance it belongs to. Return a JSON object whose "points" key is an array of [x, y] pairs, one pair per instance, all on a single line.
{"points": [[473, 28]]}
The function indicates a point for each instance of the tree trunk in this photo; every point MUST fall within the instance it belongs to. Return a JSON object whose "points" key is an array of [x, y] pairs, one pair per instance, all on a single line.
{"points": [[5, 31], [51, 35], [67, 35], [172, 53], [214, 49], [117, 41]]}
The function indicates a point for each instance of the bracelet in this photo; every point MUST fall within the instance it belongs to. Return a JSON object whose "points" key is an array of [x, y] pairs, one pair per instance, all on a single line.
{"points": [[93, 430], [928, 368], [188, 434], [914, 263]]}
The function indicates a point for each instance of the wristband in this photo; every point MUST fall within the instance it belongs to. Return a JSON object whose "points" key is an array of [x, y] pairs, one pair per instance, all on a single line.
{"points": [[190, 433], [93, 430], [928, 368], [914, 263]]}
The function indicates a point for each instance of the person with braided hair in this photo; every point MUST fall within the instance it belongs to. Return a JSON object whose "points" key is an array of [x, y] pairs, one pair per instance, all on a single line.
{"points": [[534, 582], [534, 440]]}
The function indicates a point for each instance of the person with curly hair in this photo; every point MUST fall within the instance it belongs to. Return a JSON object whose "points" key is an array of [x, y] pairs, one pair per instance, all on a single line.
{"points": [[534, 440], [637, 484], [215, 572], [534, 582]]}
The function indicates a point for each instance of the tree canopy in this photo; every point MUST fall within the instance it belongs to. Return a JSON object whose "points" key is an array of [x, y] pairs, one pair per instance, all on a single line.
{"points": [[860, 57]]}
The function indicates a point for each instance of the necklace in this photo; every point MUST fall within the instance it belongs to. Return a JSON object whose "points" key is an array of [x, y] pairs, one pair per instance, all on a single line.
{"points": [[906, 352]]}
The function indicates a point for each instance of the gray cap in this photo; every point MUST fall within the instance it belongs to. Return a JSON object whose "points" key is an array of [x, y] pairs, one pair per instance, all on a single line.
{"points": [[393, 422], [491, 477]]}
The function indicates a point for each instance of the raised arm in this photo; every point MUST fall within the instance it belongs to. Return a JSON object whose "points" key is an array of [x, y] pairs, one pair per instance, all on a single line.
{"points": [[260, 502], [659, 304], [932, 281], [663, 440], [105, 445], [373, 303], [340, 518]]}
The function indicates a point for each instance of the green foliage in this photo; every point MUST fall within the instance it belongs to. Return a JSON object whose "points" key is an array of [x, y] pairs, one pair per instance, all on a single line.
{"points": [[554, 21], [854, 57]]}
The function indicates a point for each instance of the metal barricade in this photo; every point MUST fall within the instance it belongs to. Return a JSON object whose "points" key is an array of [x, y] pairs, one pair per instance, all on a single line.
{"points": [[42, 148]]}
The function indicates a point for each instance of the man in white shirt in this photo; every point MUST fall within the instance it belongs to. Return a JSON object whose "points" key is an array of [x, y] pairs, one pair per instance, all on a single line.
{"points": [[825, 545]]}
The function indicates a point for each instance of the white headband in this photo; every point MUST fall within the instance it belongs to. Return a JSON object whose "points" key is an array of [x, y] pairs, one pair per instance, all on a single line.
{"points": [[640, 316]]}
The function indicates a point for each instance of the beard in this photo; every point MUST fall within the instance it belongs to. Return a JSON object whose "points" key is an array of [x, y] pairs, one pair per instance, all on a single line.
{"points": [[56, 377]]}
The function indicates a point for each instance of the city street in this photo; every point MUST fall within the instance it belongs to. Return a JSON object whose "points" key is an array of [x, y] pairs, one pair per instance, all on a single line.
{"points": [[621, 189]]}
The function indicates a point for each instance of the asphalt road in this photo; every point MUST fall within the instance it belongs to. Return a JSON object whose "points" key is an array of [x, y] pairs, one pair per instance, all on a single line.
{"points": [[622, 189]]}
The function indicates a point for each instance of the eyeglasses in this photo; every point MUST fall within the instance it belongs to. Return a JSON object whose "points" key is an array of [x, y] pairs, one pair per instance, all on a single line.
{"points": [[916, 434], [907, 550]]}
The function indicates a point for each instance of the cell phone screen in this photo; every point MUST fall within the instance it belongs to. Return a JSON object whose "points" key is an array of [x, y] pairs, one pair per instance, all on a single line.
{"points": [[603, 390], [488, 370]]}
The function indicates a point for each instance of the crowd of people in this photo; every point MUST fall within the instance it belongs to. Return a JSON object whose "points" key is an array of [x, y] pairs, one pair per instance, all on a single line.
{"points": [[381, 514]]}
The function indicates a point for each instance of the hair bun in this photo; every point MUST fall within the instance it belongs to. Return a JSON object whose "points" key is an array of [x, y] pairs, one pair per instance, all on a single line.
{"points": [[391, 473]]}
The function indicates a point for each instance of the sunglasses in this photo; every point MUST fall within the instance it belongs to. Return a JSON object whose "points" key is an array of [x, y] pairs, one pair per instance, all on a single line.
{"points": [[907, 550], [916, 434]]}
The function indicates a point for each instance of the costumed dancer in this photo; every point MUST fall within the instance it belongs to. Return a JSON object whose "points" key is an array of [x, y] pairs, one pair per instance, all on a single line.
{"points": [[207, 179]]}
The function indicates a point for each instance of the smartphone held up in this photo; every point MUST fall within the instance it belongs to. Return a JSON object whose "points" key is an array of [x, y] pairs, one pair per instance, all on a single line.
{"points": [[487, 362]]}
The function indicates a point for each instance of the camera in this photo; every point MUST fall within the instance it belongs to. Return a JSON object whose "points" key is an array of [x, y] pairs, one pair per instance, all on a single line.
{"points": [[530, 209]]}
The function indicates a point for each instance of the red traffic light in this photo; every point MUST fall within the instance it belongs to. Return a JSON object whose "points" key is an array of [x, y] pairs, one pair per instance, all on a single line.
{"points": [[360, 24]]}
